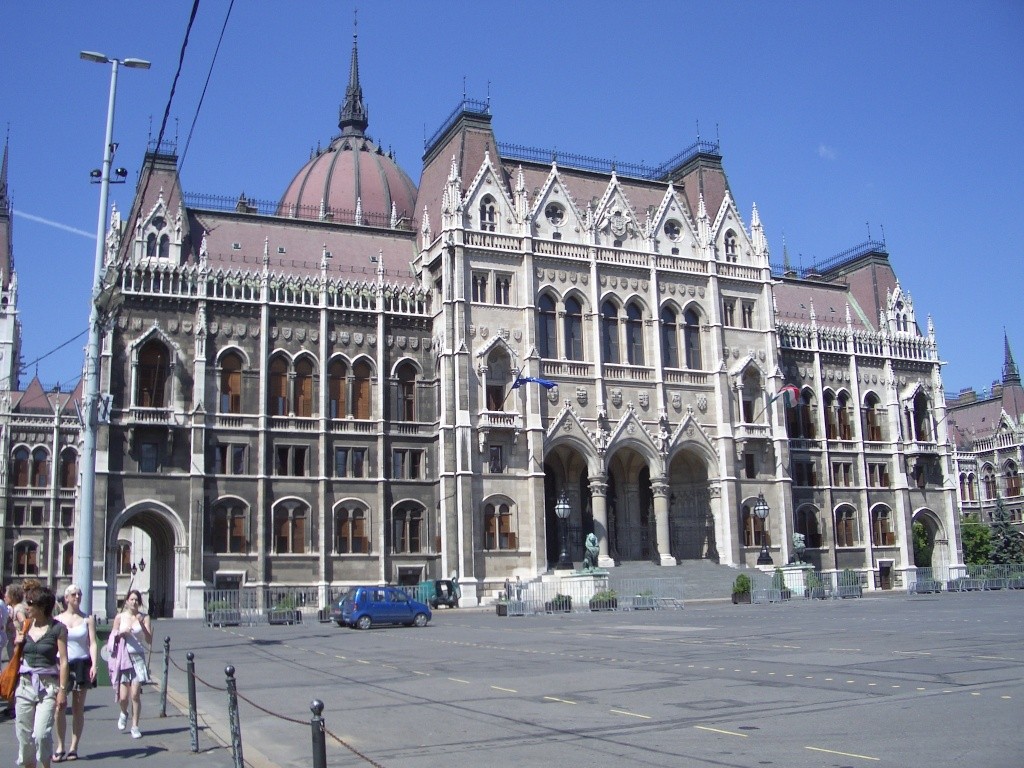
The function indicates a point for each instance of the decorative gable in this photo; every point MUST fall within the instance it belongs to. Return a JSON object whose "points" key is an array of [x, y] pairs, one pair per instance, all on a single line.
{"points": [[487, 205], [732, 243], [672, 228], [616, 222], [555, 214]]}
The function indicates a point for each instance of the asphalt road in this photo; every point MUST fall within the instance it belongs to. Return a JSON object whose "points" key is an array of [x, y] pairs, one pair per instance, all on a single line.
{"points": [[926, 681]]}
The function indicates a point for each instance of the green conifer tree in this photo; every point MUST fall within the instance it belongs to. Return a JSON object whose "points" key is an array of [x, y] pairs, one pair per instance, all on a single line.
{"points": [[1007, 542]]}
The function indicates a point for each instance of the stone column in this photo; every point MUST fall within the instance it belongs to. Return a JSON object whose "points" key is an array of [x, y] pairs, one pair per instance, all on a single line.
{"points": [[599, 504], [660, 489]]}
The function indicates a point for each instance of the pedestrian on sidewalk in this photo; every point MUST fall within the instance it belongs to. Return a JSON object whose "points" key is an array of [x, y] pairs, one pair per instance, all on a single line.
{"points": [[128, 669], [83, 656], [43, 682]]}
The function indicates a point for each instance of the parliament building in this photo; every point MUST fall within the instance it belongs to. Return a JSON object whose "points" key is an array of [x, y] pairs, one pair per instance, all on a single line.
{"points": [[339, 386]]}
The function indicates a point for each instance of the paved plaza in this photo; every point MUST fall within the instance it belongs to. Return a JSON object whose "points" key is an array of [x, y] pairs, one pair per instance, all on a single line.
{"points": [[885, 680]]}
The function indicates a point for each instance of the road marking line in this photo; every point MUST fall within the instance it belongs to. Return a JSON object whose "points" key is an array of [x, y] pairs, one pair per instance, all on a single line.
{"points": [[360, 661], [631, 714], [719, 730], [389, 666], [425, 674], [1006, 697], [457, 680], [508, 690], [560, 701], [844, 754], [339, 657], [975, 693]]}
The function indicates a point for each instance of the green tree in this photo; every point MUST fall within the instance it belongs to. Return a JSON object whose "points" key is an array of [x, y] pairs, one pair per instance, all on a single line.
{"points": [[977, 541], [923, 546], [1007, 543]]}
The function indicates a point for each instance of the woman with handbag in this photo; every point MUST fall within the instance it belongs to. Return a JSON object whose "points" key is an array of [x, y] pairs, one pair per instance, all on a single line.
{"points": [[83, 656], [130, 629], [43, 678]]}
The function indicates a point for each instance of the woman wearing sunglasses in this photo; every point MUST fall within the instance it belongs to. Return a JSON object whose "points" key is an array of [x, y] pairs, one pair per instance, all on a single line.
{"points": [[131, 628], [43, 682], [83, 653]]}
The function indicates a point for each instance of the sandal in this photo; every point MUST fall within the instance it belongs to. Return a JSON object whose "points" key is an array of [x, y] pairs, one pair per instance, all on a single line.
{"points": [[72, 755], [58, 757]]}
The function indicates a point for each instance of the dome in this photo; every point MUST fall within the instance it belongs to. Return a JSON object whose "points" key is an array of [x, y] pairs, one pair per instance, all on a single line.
{"points": [[353, 180]]}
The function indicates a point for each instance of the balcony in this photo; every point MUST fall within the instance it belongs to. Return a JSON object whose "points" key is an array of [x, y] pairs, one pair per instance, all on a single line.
{"points": [[150, 416], [753, 432], [295, 423], [500, 420]]}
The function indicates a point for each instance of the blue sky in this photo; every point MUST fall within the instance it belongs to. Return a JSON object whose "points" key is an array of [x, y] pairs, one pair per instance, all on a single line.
{"points": [[837, 119]]}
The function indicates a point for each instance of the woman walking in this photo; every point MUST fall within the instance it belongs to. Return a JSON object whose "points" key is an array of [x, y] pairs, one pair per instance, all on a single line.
{"points": [[130, 629], [83, 654], [42, 684]]}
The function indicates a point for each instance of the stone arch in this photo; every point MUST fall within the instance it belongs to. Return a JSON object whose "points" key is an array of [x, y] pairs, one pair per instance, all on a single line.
{"points": [[937, 536], [168, 558], [568, 466], [631, 465], [692, 525]]}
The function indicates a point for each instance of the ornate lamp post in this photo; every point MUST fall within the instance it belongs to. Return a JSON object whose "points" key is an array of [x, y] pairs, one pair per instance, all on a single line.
{"points": [[761, 510], [562, 510]]}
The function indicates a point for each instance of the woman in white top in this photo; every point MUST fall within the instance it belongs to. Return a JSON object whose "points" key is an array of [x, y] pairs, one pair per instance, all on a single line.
{"points": [[133, 628], [83, 656]]}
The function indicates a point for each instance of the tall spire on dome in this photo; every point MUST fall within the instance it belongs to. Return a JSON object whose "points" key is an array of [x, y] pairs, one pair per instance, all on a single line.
{"points": [[1010, 373], [3, 179], [352, 116]]}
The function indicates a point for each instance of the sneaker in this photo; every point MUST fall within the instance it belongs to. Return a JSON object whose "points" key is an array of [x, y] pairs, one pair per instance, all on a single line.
{"points": [[122, 721], [136, 733]]}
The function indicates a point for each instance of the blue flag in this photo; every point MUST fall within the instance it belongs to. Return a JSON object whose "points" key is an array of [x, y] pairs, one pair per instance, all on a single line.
{"points": [[546, 383]]}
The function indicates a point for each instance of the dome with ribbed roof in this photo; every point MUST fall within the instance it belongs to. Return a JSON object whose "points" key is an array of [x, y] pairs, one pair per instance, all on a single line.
{"points": [[353, 180]]}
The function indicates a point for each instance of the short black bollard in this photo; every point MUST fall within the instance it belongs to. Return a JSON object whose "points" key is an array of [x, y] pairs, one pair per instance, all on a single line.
{"points": [[193, 716], [163, 687], [319, 740], [236, 726]]}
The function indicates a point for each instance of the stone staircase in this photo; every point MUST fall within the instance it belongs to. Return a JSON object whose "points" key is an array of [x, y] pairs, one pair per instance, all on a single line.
{"points": [[702, 579]]}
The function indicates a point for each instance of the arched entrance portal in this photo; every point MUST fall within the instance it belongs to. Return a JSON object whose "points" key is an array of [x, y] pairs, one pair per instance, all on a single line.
{"points": [[932, 551], [631, 525], [165, 562], [691, 523], [566, 469]]}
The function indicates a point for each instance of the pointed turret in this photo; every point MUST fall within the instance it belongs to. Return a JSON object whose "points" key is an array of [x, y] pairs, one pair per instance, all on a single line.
{"points": [[352, 116], [1010, 373], [4, 202]]}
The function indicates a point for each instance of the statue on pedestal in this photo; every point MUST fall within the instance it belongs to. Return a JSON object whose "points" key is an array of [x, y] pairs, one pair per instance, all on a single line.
{"points": [[592, 551], [799, 546]]}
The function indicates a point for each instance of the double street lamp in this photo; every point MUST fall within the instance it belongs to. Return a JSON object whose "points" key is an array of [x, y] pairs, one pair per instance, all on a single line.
{"points": [[562, 511], [761, 510], [87, 504]]}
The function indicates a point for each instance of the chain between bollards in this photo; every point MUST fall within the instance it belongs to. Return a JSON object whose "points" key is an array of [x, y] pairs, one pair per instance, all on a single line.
{"points": [[167, 667], [236, 726], [193, 719], [319, 737]]}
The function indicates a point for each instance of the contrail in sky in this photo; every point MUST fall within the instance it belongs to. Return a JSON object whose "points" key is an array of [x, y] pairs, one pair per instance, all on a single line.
{"points": [[56, 225]]}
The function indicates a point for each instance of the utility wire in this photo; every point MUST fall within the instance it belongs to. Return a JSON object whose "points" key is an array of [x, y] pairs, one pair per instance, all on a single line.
{"points": [[26, 366], [209, 74]]}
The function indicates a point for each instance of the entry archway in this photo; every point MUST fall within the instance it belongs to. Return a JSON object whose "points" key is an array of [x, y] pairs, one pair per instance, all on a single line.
{"points": [[691, 522], [935, 537], [167, 556]]}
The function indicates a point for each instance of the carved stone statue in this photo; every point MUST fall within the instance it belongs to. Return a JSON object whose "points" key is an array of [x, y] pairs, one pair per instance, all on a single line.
{"points": [[799, 546], [592, 550]]}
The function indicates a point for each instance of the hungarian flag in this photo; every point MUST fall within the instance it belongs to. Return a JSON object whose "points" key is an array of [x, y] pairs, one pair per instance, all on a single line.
{"points": [[790, 396], [546, 383]]}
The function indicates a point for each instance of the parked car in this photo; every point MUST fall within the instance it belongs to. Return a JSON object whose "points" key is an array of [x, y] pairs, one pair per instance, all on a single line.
{"points": [[438, 592], [363, 607]]}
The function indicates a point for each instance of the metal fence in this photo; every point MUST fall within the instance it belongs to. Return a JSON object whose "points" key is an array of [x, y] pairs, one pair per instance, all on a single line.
{"points": [[965, 578], [250, 606], [570, 596]]}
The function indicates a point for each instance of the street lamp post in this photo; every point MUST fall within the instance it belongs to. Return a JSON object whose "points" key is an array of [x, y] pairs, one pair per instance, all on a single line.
{"points": [[87, 504], [761, 510], [562, 511]]}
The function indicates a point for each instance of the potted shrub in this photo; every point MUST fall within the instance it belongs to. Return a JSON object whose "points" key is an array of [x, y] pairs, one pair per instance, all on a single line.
{"points": [[605, 600], [779, 583], [741, 589], [219, 613], [559, 604], [644, 601], [284, 612], [501, 607], [815, 587]]}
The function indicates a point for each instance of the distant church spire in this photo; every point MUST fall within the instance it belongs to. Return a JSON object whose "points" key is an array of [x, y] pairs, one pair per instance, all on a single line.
{"points": [[3, 180], [1010, 373], [352, 116]]}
